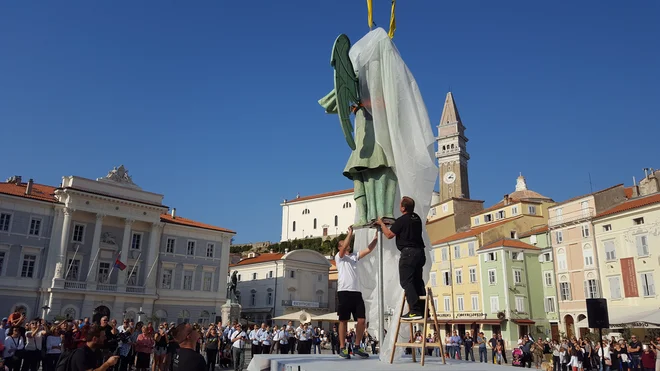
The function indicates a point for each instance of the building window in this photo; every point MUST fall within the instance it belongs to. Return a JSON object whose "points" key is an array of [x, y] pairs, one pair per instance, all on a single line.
{"points": [[432, 212], [520, 304], [239, 278], [314, 223], [517, 277], [585, 230], [559, 214], [588, 258], [2, 262], [565, 291], [607, 227], [475, 302], [642, 245], [27, 270], [488, 218], [187, 280], [432, 278], [254, 276], [103, 275], [445, 208], [435, 304], [460, 304], [473, 274], [638, 221], [559, 237], [547, 257], [320, 277], [35, 227], [447, 303], [547, 279], [305, 212], [591, 289], [5, 219], [270, 298], [648, 286], [471, 251], [169, 246], [476, 221], [336, 220], [514, 210], [166, 282], [531, 210], [459, 276], [550, 305], [270, 274], [561, 261], [347, 205], [610, 250], [72, 270], [500, 215], [615, 287], [132, 279], [444, 254], [191, 248], [492, 278], [207, 279], [494, 304], [491, 256], [514, 255], [136, 241], [209, 250], [457, 252], [292, 274], [78, 233], [253, 299], [446, 278], [294, 227]]}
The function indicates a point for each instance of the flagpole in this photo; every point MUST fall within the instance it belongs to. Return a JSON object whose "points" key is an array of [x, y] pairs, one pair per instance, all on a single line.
{"points": [[134, 265], [150, 271], [114, 264], [72, 259], [91, 266]]}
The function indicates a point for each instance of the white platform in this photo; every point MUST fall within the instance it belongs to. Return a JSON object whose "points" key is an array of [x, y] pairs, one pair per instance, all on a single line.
{"points": [[329, 362]]}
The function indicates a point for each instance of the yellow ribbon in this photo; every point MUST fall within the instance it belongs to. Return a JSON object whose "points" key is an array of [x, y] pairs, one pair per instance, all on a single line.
{"points": [[370, 16], [390, 33], [370, 13]]}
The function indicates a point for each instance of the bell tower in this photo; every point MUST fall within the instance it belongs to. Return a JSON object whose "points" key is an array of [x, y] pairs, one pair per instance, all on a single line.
{"points": [[452, 154]]}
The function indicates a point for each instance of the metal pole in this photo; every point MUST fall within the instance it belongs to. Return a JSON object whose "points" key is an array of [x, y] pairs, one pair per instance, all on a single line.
{"points": [[381, 291], [602, 349]]}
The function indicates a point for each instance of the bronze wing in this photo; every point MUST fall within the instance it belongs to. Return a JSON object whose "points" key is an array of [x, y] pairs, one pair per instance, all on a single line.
{"points": [[346, 85]]}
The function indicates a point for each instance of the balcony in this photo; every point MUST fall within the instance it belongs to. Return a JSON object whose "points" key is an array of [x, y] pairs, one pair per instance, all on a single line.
{"points": [[75, 285], [106, 287], [303, 304], [134, 290], [573, 217]]}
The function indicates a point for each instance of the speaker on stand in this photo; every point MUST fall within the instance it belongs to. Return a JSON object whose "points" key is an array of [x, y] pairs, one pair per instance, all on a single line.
{"points": [[598, 318]]}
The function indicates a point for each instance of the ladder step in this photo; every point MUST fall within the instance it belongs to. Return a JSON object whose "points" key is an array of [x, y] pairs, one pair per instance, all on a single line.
{"points": [[401, 321], [417, 345]]}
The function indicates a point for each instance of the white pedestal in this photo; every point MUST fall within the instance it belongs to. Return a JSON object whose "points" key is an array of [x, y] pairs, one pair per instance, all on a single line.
{"points": [[230, 312]]}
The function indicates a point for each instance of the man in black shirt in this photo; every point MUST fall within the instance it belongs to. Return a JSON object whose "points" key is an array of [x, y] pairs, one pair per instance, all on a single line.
{"points": [[186, 358], [408, 230], [87, 358]]}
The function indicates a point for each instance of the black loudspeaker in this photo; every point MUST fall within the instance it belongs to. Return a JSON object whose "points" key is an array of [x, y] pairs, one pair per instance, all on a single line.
{"points": [[597, 313]]}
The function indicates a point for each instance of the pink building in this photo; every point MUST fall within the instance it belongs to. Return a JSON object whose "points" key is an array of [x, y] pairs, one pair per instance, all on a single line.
{"points": [[576, 256]]}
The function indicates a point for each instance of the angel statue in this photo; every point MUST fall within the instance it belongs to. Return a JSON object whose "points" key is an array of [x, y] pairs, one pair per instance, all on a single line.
{"points": [[374, 180], [231, 287]]}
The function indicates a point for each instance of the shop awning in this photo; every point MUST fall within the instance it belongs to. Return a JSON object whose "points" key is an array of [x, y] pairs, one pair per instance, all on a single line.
{"points": [[643, 319], [522, 321]]}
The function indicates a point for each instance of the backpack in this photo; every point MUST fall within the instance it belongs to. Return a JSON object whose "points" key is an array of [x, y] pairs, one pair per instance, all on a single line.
{"points": [[64, 363]]}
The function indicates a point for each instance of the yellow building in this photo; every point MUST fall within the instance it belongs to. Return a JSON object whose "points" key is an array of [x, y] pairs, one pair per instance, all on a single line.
{"points": [[455, 271], [449, 216]]}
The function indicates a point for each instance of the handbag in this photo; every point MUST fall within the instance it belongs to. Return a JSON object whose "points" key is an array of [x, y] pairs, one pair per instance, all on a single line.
{"points": [[608, 361]]}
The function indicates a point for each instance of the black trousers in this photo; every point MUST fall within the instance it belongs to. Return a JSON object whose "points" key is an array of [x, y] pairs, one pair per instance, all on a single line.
{"points": [[211, 357], [256, 349], [335, 347], [304, 347], [411, 266], [292, 345]]}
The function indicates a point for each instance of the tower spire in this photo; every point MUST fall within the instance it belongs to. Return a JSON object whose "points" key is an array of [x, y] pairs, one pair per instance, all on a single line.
{"points": [[450, 112]]}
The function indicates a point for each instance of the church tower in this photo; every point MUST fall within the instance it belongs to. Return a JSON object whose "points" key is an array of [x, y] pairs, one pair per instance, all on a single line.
{"points": [[452, 155]]}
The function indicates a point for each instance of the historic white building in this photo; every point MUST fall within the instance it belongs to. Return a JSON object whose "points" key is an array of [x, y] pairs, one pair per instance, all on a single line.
{"points": [[271, 284], [58, 247], [322, 215]]}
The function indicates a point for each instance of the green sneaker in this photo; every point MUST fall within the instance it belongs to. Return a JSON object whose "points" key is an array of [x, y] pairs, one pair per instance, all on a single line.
{"points": [[361, 352], [344, 354]]}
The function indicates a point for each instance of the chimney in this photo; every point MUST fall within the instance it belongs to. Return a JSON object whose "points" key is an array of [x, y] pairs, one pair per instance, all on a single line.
{"points": [[646, 172], [506, 199], [28, 188], [634, 181], [173, 213]]}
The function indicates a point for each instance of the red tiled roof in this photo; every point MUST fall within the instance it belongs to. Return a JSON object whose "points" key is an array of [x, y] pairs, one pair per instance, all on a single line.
{"points": [[537, 230], [631, 204], [167, 218], [328, 194], [509, 242], [39, 192], [262, 258], [474, 231], [629, 192], [582, 196]]}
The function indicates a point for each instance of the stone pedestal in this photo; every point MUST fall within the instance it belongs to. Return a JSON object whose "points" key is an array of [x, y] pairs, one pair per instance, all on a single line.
{"points": [[230, 312]]}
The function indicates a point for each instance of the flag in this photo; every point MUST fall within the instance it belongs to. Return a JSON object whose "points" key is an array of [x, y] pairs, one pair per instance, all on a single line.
{"points": [[392, 21], [119, 265], [370, 13]]}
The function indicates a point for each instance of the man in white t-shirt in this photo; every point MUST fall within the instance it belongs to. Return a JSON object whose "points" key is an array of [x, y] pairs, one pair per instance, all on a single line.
{"points": [[348, 291], [237, 339]]}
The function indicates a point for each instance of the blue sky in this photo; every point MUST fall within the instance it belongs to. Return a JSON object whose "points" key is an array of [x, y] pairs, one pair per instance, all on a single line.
{"points": [[213, 103]]}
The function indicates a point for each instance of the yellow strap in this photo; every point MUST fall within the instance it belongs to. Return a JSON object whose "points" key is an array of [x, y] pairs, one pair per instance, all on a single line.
{"points": [[370, 13], [390, 33]]}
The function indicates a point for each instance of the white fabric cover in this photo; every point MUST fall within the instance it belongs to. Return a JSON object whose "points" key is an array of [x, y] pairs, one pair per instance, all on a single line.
{"points": [[403, 129]]}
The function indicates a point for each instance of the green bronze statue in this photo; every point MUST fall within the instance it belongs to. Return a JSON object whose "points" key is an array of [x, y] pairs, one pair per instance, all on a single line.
{"points": [[374, 181]]}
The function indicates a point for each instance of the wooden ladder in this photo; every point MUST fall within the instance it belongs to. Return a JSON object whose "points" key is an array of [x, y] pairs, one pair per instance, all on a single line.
{"points": [[424, 322]]}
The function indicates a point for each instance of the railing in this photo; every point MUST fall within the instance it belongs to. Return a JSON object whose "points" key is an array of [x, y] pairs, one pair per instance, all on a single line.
{"points": [[75, 285], [106, 287], [572, 217], [134, 290]]}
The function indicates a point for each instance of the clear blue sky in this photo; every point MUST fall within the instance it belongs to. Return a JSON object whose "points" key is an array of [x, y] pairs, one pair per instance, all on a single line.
{"points": [[213, 103]]}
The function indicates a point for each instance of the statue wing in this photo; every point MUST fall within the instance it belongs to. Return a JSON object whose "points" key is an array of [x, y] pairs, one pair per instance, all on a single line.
{"points": [[346, 85]]}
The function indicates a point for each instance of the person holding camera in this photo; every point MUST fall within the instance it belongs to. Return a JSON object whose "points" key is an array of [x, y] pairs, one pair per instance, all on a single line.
{"points": [[237, 339]]}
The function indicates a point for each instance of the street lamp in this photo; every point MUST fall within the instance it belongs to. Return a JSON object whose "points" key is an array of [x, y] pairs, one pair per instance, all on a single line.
{"points": [[140, 314], [45, 309]]}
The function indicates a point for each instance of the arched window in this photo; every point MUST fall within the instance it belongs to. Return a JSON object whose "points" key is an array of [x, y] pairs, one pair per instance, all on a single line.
{"points": [[204, 317], [336, 220], [184, 316], [70, 313], [314, 223], [294, 226], [160, 314]]}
